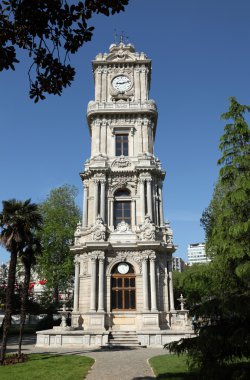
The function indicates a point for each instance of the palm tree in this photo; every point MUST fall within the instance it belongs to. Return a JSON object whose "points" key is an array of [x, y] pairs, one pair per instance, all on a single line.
{"points": [[17, 222], [28, 258]]}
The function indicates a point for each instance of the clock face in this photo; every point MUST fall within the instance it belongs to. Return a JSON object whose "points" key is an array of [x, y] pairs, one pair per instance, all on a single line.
{"points": [[123, 268], [121, 83]]}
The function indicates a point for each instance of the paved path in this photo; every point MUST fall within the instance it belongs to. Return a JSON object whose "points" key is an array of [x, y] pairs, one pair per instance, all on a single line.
{"points": [[127, 364], [110, 364]]}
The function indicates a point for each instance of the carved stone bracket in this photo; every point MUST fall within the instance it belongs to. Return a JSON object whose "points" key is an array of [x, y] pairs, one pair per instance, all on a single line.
{"points": [[99, 230], [147, 229], [78, 233]]}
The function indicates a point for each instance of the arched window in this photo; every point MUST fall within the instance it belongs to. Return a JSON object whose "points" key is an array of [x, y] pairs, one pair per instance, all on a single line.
{"points": [[122, 206], [123, 289]]}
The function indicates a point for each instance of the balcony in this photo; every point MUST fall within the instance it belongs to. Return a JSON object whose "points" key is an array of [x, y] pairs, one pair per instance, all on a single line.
{"points": [[148, 106]]}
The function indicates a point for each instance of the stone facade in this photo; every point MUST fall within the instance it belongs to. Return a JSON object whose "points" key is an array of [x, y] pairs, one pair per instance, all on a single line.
{"points": [[146, 243], [123, 268]]}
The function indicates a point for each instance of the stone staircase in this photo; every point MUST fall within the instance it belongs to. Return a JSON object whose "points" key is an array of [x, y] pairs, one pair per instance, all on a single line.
{"points": [[123, 339]]}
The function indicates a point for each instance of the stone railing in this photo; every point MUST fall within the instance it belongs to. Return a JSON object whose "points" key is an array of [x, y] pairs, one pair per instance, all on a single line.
{"points": [[138, 106]]}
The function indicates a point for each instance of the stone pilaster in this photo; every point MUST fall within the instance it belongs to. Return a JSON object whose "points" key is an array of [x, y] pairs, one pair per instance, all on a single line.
{"points": [[161, 206], [96, 185], [133, 220], [76, 285], [112, 213], [149, 198], [153, 283], [93, 284], [145, 283], [101, 283], [142, 196], [85, 205], [103, 200], [170, 285]]}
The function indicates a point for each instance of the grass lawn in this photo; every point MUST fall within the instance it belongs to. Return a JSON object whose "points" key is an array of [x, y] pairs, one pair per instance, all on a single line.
{"points": [[171, 367], [48, 367]]}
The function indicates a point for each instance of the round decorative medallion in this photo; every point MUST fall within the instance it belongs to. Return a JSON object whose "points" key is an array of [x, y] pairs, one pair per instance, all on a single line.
{"points": [[123, 268]]}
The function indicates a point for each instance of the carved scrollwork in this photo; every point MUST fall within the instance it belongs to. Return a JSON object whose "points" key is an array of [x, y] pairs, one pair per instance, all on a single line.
{"points": [[121, 162]]}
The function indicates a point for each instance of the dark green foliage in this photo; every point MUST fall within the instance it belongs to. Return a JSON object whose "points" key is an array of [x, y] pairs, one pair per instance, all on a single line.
{"points": [[223, 314], [50, 30], [60, 215], [47, 323], [18, 223], [194, 283]]}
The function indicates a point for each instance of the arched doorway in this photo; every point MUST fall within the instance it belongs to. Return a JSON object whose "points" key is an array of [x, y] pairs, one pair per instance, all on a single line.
{"points": [[123, 287]]}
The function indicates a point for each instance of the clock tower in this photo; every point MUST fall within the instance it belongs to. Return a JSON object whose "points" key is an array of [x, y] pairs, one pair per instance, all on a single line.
{"points": [[123, 246]]}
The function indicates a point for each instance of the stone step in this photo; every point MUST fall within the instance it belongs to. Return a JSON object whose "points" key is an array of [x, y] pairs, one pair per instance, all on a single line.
{"points": [[123, 339]]}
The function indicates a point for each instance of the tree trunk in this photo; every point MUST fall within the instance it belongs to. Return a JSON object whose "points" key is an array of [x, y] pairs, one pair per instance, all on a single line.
{"points": [[56, 293], [24, 304], [9, 303]]}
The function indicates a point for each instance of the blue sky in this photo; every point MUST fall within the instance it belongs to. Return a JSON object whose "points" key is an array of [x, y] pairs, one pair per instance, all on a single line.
{"points": [[200, 53]]}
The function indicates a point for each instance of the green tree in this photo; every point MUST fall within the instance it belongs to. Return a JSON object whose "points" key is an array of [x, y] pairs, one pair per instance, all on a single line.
{"points": [[195, 283], [60, 215], [224, 331], [18, 220], [49, 30]]}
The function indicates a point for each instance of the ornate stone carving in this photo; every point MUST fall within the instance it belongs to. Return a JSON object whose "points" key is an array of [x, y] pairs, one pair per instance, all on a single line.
{"points": [[148, 252], [99, 230], [130, 256], [97, 254], [77, 234], [169, 233], [147, 229], [123, 227], [84, 267], [121, 162]]}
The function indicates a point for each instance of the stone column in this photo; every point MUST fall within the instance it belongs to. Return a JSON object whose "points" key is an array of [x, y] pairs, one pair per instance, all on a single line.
{"points": [[157, 218], [96, 183], [76, 286], [142, 194], [98, 85], [143, 84], [149, 198], [161, 206], [145, 283], [132, 213], [153, 283], [137, 85], [131, 142], [111, 212], [145, 136], [103, 200], [170, 284], [104, 85], [85, 206], [93, 285], [113, 142], [101, 279]]}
